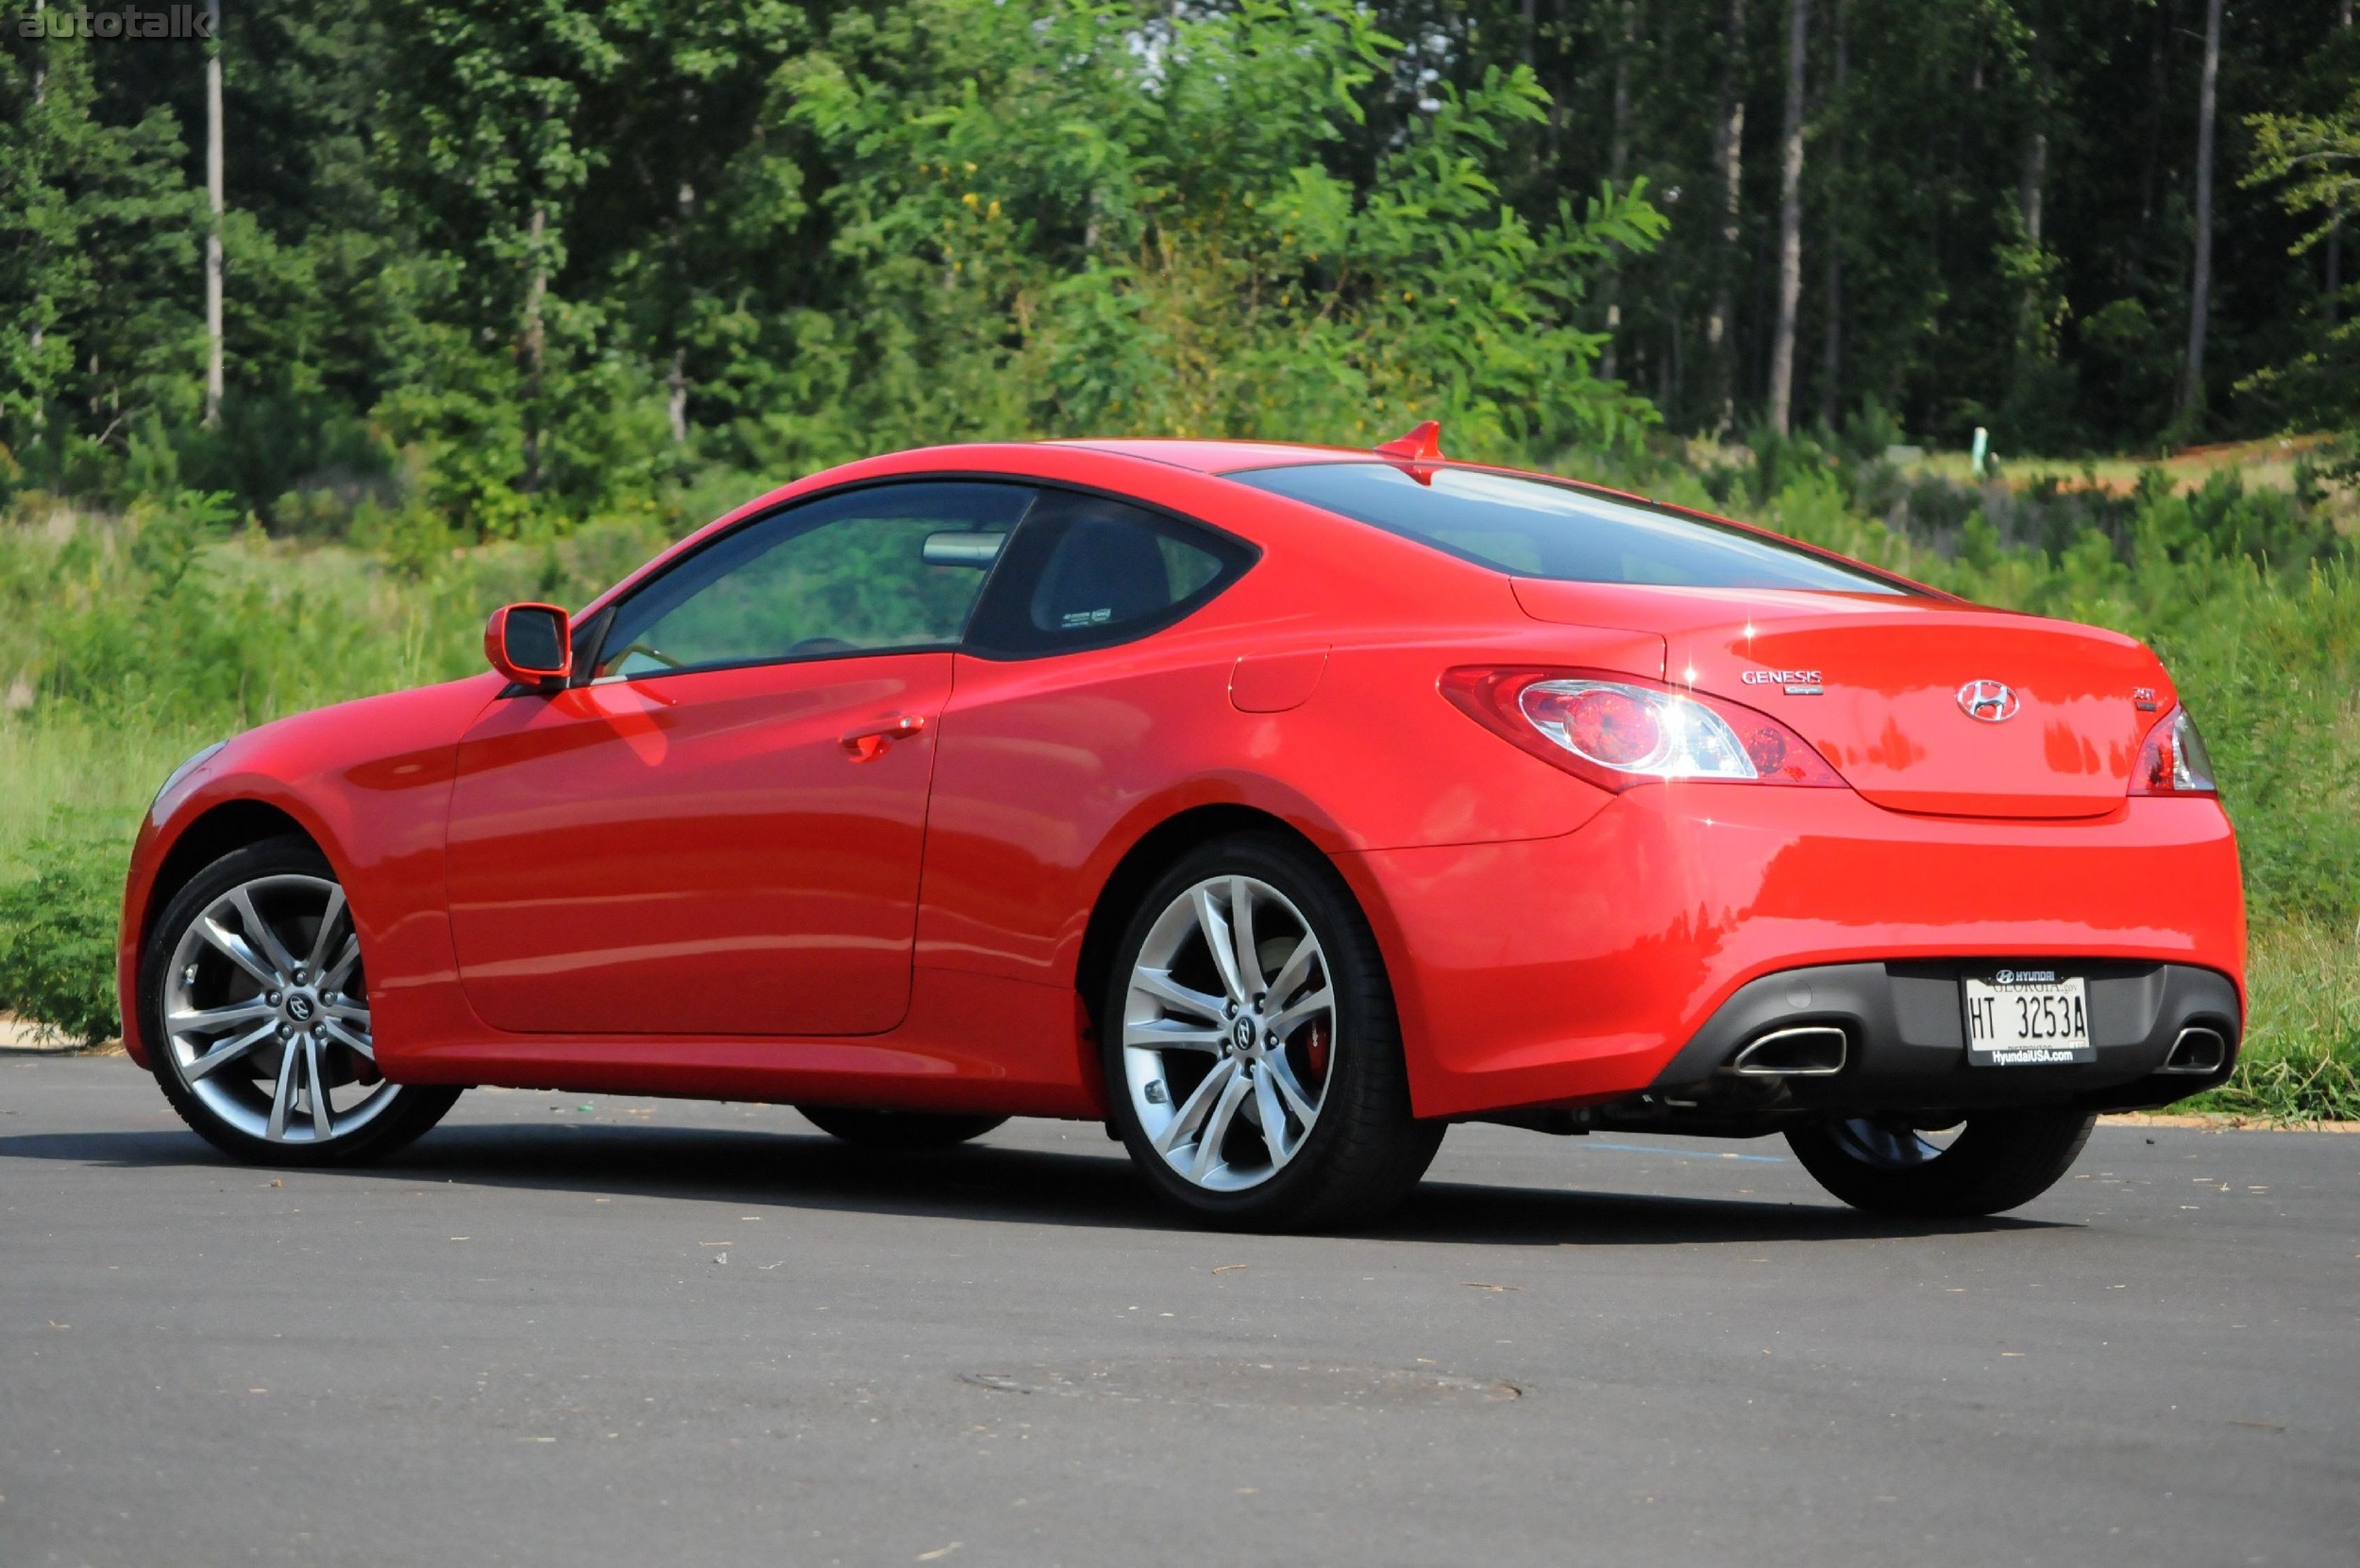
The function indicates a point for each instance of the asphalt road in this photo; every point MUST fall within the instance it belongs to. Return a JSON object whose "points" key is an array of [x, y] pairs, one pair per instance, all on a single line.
{"points": [[578, 1331]]}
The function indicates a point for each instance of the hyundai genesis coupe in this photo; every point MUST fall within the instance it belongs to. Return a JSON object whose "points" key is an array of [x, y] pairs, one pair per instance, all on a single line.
{"points": [[1277, 806]]}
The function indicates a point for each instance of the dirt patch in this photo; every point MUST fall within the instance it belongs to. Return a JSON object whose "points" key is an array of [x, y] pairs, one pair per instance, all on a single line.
{"points": [[2220, 1121], [18, 1033]]}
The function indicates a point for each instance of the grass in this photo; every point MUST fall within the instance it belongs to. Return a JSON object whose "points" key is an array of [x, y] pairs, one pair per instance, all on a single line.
{"points": [[2301, 1056], [127, 642]]}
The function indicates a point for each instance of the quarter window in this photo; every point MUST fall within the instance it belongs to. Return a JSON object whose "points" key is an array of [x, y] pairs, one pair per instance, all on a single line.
{"points": [[1086, 571]]}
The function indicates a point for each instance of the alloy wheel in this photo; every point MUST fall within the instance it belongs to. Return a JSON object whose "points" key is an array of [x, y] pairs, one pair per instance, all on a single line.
{"points": [[1229, 1033], [266, 1013]]}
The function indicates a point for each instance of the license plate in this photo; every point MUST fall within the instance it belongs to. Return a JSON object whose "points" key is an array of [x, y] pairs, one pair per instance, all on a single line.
{"points": [[2027, 1018]]}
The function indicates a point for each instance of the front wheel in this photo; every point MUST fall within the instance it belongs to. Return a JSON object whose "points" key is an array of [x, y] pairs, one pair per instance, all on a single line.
{"points": [[255, 1002], [1991, 1161], [1252, 1057]]}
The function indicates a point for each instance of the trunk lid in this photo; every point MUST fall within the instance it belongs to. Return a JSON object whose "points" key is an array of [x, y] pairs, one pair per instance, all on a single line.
{"points": [[1883, 686]]}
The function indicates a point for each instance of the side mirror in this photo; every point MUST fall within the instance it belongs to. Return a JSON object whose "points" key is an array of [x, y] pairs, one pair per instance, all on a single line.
{"points": [[530, 643]]}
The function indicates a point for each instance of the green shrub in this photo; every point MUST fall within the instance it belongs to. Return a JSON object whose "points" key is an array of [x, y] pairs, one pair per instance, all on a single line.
{"points": [[2300, 1061], [58, 931]]}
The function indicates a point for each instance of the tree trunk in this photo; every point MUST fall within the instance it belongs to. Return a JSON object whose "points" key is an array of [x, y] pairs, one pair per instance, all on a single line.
{"points": [[1558, 92], [676, 405], [2200, 282], [1720, 346], [532, 348], [2335, 230], [212, 231], [38, 336], [2033, 189], [1831, 348], [2028, 309], [1617, 162], [1790, 221], [2158, 40]]}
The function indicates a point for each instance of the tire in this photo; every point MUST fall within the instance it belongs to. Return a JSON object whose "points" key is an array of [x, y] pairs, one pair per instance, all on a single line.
{"points": [[274, 1021], [898, 1130], [1998, 1161], [1204, 1040]]}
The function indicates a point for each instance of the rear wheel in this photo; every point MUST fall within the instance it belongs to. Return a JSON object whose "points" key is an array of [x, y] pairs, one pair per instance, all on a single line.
{"points": [[897, 1129], [254, 999], [1251, 1053], [1991, 1161]]}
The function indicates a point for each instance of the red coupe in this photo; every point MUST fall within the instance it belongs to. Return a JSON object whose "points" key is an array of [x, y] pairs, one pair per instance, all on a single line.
{"points": [[1276, 805]]}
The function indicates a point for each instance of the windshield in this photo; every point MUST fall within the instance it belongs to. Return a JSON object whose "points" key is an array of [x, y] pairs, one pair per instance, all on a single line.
{"points": [[1531, 527]]}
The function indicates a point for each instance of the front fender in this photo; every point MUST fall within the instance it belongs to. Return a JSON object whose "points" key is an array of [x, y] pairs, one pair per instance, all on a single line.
{"points": [[369, 783]]}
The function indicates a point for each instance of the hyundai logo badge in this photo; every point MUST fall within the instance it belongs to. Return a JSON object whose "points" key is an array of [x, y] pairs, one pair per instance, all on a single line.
{"points": [[1989, 700]]}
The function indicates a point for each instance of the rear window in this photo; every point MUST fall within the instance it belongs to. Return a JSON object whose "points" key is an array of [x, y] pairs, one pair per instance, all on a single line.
{"points": [[1530, 527]]}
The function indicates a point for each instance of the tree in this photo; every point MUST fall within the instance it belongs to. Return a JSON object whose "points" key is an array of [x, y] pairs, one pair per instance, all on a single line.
{"points": [[564, 258], [1617, 171], [1045, 225], [96, 225], [1831, 344], [2314, 162], [2201, 281], [2335, 283], [214, 204], [1790, 220], [1720, 338]]}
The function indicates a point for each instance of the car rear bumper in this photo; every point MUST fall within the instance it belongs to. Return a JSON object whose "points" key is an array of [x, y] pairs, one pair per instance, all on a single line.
{"points": [[1865, 1038], [1578, 969]]}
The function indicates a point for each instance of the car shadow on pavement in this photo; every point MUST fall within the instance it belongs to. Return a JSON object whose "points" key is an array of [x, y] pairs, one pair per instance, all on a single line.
{"points": [[984, 1182]]}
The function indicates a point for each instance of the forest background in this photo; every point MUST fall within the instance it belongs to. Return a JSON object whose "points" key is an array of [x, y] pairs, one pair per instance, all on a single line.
{"points": [[320, 338]]}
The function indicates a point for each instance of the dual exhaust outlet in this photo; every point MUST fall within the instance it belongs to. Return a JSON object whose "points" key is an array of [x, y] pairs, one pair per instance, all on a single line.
{"points": [[1805, 1050], [2199, 1049], [1820, 1051]]}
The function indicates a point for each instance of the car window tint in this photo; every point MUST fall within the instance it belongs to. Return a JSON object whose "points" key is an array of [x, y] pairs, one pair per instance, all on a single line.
{"points": [[1531, 527], [887, 567], [1086, 571]]}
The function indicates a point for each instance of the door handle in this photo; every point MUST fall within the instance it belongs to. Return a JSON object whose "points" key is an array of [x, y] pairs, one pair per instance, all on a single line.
{"points": [[869, 745]]}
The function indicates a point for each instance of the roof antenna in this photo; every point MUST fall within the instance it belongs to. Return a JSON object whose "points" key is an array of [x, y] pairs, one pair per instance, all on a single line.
{"points": [[1420, 452]]}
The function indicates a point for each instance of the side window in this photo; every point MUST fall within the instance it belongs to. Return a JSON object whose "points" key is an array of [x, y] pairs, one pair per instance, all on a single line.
{"points": [[1086, 572], [888, 566]]}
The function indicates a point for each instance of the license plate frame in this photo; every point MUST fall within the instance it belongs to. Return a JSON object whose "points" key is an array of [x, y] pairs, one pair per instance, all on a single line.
{"points": [[2033, 1016]]}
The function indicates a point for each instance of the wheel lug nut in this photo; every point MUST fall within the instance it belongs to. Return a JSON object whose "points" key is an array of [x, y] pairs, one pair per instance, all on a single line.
{"points": [[271, 1000], [1270, 1039]]}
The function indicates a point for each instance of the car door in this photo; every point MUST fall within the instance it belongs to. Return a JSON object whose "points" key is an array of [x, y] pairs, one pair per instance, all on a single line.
{"points": [[1067, 712], [718, 829]]}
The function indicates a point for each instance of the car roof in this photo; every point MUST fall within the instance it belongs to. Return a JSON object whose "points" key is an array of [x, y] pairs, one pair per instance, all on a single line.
{"points": [[1221, 457]]}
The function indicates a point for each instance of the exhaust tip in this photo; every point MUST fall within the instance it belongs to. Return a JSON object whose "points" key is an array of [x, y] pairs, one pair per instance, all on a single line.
{"points": [[2199, 1048], [1809, 1051]]}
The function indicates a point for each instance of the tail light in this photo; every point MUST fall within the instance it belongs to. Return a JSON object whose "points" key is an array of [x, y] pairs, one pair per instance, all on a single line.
{"points": [[1616, 730], [2173, 761]]}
